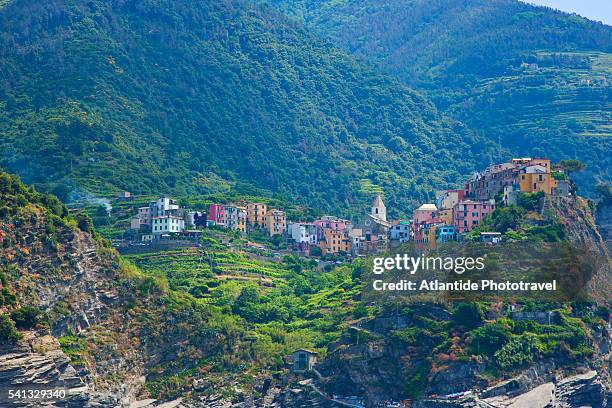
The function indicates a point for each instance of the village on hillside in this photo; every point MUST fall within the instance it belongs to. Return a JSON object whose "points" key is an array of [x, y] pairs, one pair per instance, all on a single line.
{"points": [[454, 214]]}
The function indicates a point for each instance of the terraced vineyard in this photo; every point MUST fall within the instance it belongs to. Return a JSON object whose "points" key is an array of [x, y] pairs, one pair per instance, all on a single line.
{"points": [[560, 90], [191, 268], [557, 105], [274, 294]]}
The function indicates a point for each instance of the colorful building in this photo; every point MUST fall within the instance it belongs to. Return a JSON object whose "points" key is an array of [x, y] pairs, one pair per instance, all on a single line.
{"points": [[256, 214], [446, 233], [333, 223], [424, 213], [446, 216], [236, 218], [276, 222], [401, 231], [469, 214], [447, 199], [303, 235], [216, 214], [335, 242], [536, 178], [427, 232], [497, 178], [166, 224]]}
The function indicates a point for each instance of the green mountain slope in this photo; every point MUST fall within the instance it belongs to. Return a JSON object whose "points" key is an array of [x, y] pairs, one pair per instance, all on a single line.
{"points": [[177, 96], [532, 78]]}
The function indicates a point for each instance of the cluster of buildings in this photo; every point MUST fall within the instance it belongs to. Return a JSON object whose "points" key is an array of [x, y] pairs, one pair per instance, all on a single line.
{"points": [[337, 236], [457, 212], [453, 214], [164, 217]]}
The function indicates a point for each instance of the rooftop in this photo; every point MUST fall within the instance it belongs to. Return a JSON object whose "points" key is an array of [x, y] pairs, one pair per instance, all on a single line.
{"points": [[428, 207]]}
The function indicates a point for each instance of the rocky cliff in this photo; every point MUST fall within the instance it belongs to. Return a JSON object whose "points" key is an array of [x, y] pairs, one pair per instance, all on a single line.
{"points": [[81, 342], [75, 317], [424, 351]]}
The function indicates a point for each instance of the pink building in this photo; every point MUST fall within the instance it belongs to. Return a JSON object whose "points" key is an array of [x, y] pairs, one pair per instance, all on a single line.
{"points": [[216, 214], [469, 214], [332, 223], [424, 213]]}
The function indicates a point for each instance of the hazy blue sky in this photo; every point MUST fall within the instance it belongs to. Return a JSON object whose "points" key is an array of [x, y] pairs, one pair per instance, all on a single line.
{"points": [[598, 10]]}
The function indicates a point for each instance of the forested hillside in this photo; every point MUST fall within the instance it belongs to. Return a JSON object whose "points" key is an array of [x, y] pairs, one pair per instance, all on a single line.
{"points": [[177, 96], [534, 79]]}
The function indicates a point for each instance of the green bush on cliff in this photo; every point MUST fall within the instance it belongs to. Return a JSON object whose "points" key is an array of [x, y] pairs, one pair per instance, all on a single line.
{"points": [[487, 340], [8, 331], [469, 315], [25, 317], [518, 352]]}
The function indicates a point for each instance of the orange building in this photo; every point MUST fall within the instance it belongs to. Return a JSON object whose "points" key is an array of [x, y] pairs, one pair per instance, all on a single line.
{"points": [[256, 214], [276, 222], [535, 178], [335, 242]]}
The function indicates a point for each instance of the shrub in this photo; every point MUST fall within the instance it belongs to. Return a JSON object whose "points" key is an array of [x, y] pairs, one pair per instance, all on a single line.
{"points": [[530, 201], [8, 331], [518, 352], [468, 314], [26, 317], [486, 340], [506, 218]]}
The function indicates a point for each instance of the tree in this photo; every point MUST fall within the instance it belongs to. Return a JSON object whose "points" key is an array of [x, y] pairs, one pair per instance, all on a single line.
{"points": [[8, 331], [530, 201], [468, 314], [84, 222], [246, 304], [506, 218], [571, 166], [486, 340]]}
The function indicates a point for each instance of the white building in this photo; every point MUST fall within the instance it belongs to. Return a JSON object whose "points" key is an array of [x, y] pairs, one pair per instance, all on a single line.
{"points": [[163, 206], [166, 224], [303, 233]]}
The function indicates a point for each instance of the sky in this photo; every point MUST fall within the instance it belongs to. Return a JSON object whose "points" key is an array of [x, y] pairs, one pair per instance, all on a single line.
{"points": [[598, 10]]}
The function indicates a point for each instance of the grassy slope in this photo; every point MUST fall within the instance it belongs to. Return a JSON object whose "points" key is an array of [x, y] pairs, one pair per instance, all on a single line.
{"points": [[204, 97]]}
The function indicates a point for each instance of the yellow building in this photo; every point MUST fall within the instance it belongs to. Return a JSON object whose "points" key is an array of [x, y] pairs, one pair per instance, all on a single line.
{"points": [[241, 225], [276, 222], [533, 179], [446, 216], [335, 242], [256, 214]]}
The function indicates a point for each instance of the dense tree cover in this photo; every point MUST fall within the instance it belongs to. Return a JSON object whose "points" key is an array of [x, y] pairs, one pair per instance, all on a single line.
{"points": [[178, 96], [531, 78]]}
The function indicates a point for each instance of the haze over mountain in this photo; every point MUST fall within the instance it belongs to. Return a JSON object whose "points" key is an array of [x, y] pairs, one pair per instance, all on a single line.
{"points": [[177, 96], [535, 79]]}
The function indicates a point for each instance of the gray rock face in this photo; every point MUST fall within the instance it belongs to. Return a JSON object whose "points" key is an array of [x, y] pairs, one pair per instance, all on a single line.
{"points": [[587, 390], [37, 364], [75, 283]]}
